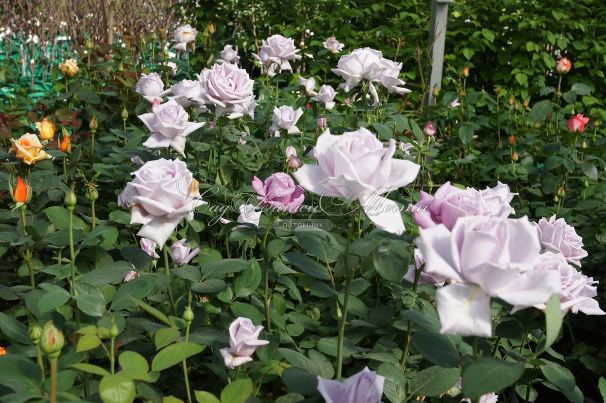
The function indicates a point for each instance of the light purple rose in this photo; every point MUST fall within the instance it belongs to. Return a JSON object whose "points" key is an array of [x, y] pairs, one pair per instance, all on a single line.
{"points": [[280, 192], [364, 387], [290, 152], [450, 203], [186, 92], [243, 341], [558, 236], [406, 147], [285, 117], [357, 166], [327, 96], [150, 87], [162, 193], [361, 64], [276, 52], [131, 275], [484, 257], [424, 277], [249, 215], [230, 89], [148, 246], [577, 291], [229, 55], [487, 398], [184, 35], [181, 253], [389, 77], [333, 45], [169, 126], [309, 84]]}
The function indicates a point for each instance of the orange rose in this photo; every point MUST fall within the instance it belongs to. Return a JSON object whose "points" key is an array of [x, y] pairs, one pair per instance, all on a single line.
{"points": [[29, 149], [21, 192], [66, 144], [46, 129], [69, 68], [2, 351]]}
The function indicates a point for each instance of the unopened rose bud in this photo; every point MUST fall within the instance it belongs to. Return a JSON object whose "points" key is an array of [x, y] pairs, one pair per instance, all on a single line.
{"points": [[500, 144], [556, 198], [294, 163], [511, 100], [89, 44], [22, 192], [188, 315], [563, 66], [70, 199], [113, 331], [210, 28], [584, 144], [561, 192], [436, 91], [514, 156], [93, 125], [321, 122], [92, 193], [465, 72], [124, 114], [511, 139], [526, 103], [429, 129], [497, 90], [35, 333], [517, 106], [586, 183], [52, 340], [66, 143]]}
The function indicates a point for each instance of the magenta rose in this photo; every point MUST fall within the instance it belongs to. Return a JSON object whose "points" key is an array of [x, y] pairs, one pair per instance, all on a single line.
{"points": [[280, 192]]}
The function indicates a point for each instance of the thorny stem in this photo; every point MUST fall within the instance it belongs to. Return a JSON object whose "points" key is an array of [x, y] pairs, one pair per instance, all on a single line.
{"points": [[170, 291], [343, 320]]}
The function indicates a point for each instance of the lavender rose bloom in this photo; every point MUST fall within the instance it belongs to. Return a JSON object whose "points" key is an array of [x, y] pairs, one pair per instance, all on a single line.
{"points": [[285, 117], [450, 203], [148, 246], [150, 87], [186, 92], [249, 215], [364, 387], [357, 166], [309, 84], [389, 77], [181, 253], [327, 96], [276, 52], [485, 257], [424, 277], [229, 55], [162, 193], [333, 45], [243, 341], [577, 291], [230, 89], [558, 236], [280, 192], [184, 35], [169, 126]]}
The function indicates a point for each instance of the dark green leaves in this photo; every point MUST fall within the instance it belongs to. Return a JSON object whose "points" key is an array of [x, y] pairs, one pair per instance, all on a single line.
{"points": [[487, 375], [437, 348]]}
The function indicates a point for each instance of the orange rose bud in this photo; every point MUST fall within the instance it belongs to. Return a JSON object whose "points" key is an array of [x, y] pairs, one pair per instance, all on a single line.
{"points": [[46, 129], [514, 156], [66, 145], [211, 28], [21, 192], [512, 100], [465, 72], [511, 139], [2, 351], [526, 103], [563, 66]]}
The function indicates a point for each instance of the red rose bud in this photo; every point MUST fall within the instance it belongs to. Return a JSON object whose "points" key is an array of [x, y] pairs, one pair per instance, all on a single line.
{"points": [[564, 65], [308, 106], [577, 123], [52, 340], [511, 139], [22, 191]]}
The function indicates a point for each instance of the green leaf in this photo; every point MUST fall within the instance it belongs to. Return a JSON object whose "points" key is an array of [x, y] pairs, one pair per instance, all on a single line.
{"points": [[436, 348], [300, 381], [247, 311], [466, 133], [540, 110], [563, 379], [134, 365], [390, 260], [138, 288], [90, 368], [101, 236], [248, 281], [489, 375], [165, 336], [434, 381], [107, 273], [88, 342], [237, 391], [394, 386], [590, 170], [220, 268], [117, 389], [319, 243], [205, 397], [307, 265], [209, 286], [174, 354], [553, 321], [581, 89], [602, 387], [53, 298], [468, 53], [90, 299], [19, 373], [59, 216], [153, 312], [13, 329]]}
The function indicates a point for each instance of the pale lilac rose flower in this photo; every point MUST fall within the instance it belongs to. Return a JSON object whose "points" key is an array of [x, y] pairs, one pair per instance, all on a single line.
{"points": [[327, 96], [181, 253], [487, 398], [229, 88], [406, 147], [290, 152], [389, 77], [321, 122], [357, 166], [484, 257], [577, 291], [309, 84], [162, 193], [150, 87], [424, 277], [243, 341], [276, 52], [131, 275], [169, 126], [186, 91], [184, 35], [249, 215], [558, 236], [450, 203], [280, 192], [333, 45], [285, 117], [364, 387], [454, 104], [148, 246], [137, 160], [229, 55]]}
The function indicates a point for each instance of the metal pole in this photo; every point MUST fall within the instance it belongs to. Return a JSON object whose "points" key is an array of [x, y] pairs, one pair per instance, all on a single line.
{"points": [[437, 38]]}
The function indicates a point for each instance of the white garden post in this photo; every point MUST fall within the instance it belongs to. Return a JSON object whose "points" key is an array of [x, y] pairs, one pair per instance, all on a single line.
{"points": [[437, 38]]}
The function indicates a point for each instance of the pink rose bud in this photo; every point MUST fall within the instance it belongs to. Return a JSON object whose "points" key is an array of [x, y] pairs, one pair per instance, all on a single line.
{"points": [[181, 253], [131, 275], [291, 152], [365, 386], [280, 192], [243, 341], [148, 246], [564, 65], [294, 163], [321, 122], [577, 123], [212, 124], [429, 129]]}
